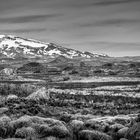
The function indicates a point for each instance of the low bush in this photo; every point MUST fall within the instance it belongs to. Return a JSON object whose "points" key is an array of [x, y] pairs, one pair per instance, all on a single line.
{"points": [[122, 132], [133, 132], [25, 132], [92, 134], [5, 127]]}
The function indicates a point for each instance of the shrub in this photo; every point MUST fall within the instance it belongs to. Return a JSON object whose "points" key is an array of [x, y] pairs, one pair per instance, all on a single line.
{"points": [[138, 118], [3, 110], [42, 130], [98, 71], [55, 130], [65, 117], [76, 125], [11, 97], [73, 72], [5, 127], [66, 78], [92, 134], [133, 132], [115, 127], [84, 73], [60, 131], [122, 132], [123, 139], [92, 124], [112, 73], [25, 132], [108, 65], [40, 94], [44, 127], [23, 121]]}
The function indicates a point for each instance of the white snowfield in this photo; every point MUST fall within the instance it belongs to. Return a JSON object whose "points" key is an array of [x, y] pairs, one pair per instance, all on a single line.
{"points": [[11, 45], [15, 41]]}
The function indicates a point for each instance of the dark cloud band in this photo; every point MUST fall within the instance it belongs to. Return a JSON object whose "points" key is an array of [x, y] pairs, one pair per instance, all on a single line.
{"points": [[113, 2], [110, 22], [31, 30], [30, 18], [117, 22]]}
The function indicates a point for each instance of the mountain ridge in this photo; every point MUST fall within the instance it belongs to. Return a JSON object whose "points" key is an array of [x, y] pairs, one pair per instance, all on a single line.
{"points": [[16, 47]]}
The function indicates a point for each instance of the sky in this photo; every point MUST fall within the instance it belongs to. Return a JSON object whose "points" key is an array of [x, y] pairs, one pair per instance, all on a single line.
{"points": [[100, 26]]}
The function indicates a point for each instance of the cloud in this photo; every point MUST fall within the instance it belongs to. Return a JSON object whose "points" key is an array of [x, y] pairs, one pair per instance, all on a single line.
{"points": [[31, 30], [117, 46], [29, 18], [116, 43], [113, 2], [110, 22], [117, 22], [107, 43]]}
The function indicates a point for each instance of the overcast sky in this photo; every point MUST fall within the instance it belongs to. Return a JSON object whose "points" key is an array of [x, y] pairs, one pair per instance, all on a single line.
{"points": [[102, 26]]}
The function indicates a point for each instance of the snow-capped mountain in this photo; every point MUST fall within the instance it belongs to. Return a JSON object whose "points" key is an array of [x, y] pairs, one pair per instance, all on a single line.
{"points": [[15, 47]]}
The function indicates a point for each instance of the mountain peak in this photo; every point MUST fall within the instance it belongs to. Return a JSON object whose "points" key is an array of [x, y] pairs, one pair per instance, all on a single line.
{"points": [[13, 47]]}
